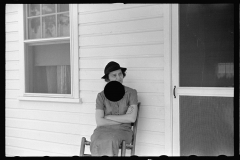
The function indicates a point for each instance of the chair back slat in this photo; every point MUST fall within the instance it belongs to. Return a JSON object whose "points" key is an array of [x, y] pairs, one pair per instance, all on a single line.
{"points": [[135, 130]]}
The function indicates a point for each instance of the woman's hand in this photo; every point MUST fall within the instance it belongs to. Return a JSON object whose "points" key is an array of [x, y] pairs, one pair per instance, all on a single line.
{"points": [[130, 110]]}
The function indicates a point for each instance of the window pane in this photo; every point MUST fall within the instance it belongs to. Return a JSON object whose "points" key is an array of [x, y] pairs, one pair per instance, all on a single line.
{"points": [[62, 7], [34, 30], [49, 26], [63, 25], [48, 8], [48, 69], [206, 45], [33, 10]]}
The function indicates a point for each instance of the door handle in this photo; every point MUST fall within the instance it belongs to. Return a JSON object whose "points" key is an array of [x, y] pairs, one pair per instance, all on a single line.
{"points": [[174, 91]]}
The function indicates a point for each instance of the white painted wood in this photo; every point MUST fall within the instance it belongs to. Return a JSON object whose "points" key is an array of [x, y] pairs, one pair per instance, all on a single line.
{"points": [[12, 84], [11, 8], [150, 137], [72, 118], [175, 76], [74, 51], [46, 98], [26, 152], [122, 26], [147, 124], [153, 99], [69, 139], [11, 17], [146, 62], [44, 106], [69, 150], [133, 36], [12, 65], [206, 91], [11, 27], [94, 8], [144, 149], [66, 133], [73, 139], [146, 111], [12, 55], [12, 46], [147, 11], [11, 36], [43, 41], [134, 50], [167, 79], [21, 49], [77, 118], [122, 38], [11, 94], [11, 103], [12, 75], [144, 86], [131, 74], [66, 128]]}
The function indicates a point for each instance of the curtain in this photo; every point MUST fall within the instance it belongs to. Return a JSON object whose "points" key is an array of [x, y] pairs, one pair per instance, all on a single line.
{"points": [[63, 79], [52, 79]]}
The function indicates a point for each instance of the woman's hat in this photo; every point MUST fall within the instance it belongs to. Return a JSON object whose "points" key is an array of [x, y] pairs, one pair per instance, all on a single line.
{"points": [[112, 66], [114, 91]]}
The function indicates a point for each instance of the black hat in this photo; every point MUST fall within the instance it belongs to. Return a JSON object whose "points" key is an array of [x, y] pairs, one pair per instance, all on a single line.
{"points": [[114, 91], [112, 66]]}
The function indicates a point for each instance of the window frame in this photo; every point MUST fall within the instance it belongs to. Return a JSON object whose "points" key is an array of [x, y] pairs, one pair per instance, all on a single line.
{"points": [[74, 58]]}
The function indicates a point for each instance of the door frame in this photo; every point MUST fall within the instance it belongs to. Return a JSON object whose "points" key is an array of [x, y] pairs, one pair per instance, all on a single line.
{"points": [[185, 91], [167, 16]]}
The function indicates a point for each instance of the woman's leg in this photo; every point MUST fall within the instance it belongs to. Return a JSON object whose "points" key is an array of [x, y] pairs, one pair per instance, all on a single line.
{"points": [[106, 141]]}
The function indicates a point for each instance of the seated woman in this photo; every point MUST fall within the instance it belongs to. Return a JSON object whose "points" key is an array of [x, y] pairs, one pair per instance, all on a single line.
{"points": [[113, 118]]}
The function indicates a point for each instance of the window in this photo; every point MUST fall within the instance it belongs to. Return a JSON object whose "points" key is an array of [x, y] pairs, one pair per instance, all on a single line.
{"points": [[50, 69], [47, 20]]}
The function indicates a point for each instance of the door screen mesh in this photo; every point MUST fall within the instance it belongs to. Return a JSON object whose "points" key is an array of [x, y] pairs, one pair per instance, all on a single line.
{"points": [[206, 126]]}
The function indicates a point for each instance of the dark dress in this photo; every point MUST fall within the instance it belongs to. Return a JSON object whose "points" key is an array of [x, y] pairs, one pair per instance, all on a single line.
{"points": [[105, 140]]}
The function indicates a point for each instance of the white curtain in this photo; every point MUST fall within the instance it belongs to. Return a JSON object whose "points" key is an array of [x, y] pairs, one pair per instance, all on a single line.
{"points": [[52, 79]]}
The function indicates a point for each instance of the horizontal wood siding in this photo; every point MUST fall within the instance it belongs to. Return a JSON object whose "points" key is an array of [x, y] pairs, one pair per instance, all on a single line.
{"points": [[131, 35]]}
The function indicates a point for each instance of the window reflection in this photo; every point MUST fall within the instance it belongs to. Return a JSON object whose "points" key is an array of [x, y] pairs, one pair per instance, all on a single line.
{"points": [[33, 10], [63, 25], [34, 28], [62, 7], [49, 26], [47, 21], [225, 70], [48, 8]]}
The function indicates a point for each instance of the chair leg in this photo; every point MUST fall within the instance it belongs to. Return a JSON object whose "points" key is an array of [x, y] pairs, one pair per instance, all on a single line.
{"points": [[133, 151], [123, 150], [82, 146]]}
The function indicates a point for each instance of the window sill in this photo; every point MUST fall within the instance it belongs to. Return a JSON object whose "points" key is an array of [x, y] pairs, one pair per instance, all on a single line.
{"points": [[64, 100]]}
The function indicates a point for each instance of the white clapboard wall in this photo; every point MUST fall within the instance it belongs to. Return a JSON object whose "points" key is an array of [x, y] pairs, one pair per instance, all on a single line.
{"points": [[130, 34]]}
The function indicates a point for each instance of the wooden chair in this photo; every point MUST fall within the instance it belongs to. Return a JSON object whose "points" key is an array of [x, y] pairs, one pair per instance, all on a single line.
{"points": [[123, 146]]}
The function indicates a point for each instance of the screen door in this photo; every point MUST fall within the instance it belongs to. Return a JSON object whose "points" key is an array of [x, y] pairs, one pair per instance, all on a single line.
{"points": [[203, 79]]}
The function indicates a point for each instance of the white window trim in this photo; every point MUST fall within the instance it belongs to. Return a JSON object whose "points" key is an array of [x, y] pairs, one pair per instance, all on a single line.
{"points": [[74, 60]]}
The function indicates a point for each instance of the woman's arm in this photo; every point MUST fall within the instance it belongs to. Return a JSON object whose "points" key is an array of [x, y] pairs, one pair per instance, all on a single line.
{"points": [[100, 119], [129, 117]]}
